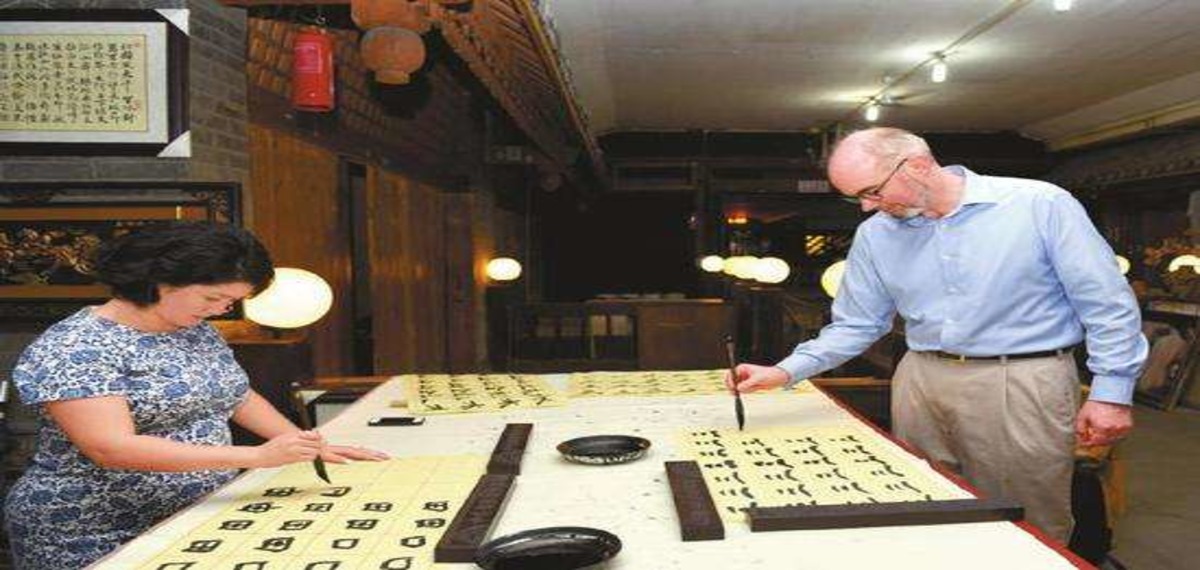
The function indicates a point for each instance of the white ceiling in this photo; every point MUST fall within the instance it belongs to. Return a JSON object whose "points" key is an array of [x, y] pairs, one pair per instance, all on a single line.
{"points": [[1105, 68]]}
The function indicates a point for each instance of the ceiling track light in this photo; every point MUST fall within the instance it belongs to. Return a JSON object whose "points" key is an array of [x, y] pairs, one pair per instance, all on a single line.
{"points": [[1063, 5], [939, 71], [954, 47], [871, 112]]}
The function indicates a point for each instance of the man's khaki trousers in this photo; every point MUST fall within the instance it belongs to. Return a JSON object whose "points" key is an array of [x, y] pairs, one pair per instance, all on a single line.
{"points": [[1007, 426]]}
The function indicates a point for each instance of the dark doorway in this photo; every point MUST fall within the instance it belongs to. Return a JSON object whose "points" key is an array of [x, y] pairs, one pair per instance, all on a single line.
{"points": [[620, 243], [353, 187]]}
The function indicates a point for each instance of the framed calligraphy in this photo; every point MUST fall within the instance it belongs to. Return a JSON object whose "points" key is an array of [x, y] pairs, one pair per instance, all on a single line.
{"points": [[49, 230], [94, 82]]}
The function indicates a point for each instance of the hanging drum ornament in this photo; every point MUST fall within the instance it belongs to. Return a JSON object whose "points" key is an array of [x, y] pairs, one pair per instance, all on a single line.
{"points": [[312, 70], [392, 53], [371, 14]]}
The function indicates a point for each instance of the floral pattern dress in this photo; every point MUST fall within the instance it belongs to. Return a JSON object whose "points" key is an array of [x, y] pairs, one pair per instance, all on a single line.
{"points": [[66, 511]]}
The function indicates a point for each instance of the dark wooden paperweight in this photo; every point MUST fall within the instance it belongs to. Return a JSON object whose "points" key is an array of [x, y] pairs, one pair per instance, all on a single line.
{"points": [[698, 517], [506, 457], [474, 520], [883, 514]]}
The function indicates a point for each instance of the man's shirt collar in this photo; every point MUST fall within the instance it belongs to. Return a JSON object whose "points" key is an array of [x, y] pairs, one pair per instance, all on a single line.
{"points": [[976, 190]]}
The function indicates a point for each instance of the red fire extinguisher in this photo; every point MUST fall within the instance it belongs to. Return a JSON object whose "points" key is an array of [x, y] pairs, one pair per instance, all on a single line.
{"points": [[312, 70]]}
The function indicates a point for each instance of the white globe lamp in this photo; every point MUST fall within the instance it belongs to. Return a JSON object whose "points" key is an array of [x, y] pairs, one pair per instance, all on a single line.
{"points": [[771, 270], [741, 266], [1123, 264], [296, 298], [831, 278], [503, 269], [712, 263], [1186, 260]]}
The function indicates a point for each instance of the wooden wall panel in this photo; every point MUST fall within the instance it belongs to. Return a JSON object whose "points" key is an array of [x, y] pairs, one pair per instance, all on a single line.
{"points": [[461, 353], [408, 282], [431, 138], [428, 225], [295, 211]]}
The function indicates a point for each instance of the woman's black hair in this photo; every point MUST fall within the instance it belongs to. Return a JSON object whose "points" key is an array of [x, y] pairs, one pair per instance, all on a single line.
{"points": [[181, 253]]}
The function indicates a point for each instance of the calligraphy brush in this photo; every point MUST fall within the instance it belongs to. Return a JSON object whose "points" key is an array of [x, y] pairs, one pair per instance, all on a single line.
{"points": [[306, 424], [738, 409]]}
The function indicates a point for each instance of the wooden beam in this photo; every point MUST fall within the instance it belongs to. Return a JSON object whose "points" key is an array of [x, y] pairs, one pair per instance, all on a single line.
{"points": [[550, 59]]}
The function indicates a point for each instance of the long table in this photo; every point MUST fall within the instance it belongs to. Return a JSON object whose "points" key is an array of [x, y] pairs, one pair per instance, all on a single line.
{"points": [[634, 500]]}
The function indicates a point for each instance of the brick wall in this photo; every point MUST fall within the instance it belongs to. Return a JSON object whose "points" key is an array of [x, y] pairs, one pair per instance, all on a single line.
{"points": [[217, 92], [217, 106]]}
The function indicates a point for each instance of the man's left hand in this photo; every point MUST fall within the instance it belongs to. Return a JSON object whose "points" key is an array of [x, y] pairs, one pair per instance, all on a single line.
{"points": [[1102, 423]]}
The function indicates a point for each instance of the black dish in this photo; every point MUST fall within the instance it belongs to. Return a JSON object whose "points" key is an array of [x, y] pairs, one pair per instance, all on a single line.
{"points": [[604, 449], [552, 548]]}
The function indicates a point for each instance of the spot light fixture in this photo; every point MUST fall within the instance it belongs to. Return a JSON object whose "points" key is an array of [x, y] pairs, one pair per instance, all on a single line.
{"points": [[939, 71], [871, 112]]}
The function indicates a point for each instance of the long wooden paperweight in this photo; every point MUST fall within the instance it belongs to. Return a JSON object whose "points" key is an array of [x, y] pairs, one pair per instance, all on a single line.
{"points": [[883, 514], [698, 517], [474, 520], [506, 457]]}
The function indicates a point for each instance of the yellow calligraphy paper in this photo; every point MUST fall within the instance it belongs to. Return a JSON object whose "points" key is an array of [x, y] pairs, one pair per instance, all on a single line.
{"points": [[807, 466], [92, 82], [387, 515], [477, 393], [647, 383]]}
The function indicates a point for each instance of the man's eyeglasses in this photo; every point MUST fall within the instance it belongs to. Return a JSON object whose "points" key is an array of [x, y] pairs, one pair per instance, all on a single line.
{"points": [[875, 191]]}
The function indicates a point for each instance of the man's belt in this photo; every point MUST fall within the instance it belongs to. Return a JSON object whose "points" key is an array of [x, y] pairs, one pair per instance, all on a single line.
{"points": [[1000, 358]]}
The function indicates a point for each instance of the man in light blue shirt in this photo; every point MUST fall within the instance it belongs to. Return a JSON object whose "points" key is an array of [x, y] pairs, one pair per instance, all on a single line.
{"points": [[996, 279]]}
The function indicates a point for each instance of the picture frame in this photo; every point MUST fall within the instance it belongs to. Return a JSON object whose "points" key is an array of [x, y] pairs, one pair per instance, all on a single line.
{"points": [[48, 231], [94, 82]]}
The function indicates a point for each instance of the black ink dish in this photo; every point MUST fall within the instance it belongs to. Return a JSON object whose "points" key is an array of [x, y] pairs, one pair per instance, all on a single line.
{"points": [[552, 548], [604, 449]]}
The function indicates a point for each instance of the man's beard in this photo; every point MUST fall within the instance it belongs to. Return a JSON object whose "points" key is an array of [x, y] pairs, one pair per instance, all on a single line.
{"points": [[917, 209], [907, 213]]}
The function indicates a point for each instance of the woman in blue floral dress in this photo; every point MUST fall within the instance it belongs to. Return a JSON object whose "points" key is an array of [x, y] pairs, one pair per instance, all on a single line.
{"points": [[134, 396]]}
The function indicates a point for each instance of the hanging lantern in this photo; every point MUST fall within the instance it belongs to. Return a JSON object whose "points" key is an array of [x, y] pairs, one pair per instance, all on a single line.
{"points": [[392, 53], [370, 14], [312, 70]]}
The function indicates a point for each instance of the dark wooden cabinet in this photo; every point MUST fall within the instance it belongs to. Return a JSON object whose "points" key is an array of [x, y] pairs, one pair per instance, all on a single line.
{"points": [[683, 334], [618, 334]]}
